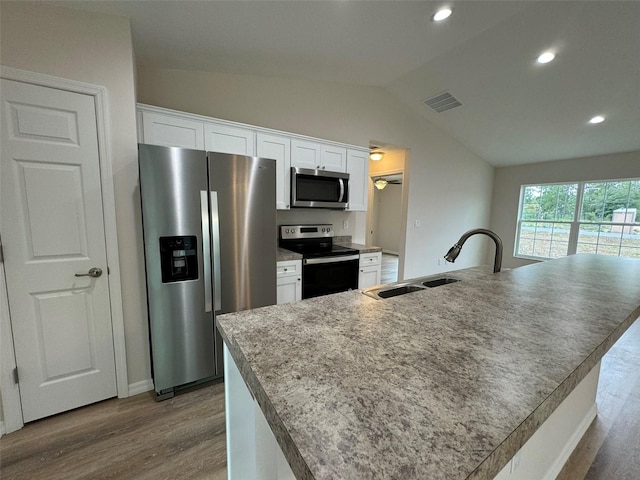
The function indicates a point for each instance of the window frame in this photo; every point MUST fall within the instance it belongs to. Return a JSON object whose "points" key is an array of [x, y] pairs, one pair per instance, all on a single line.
{"points": [[575, 223]]}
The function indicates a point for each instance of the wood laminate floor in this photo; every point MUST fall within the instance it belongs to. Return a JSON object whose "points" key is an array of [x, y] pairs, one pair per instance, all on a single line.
{"points": [[184, 437], [389, 270], [131, 438]]}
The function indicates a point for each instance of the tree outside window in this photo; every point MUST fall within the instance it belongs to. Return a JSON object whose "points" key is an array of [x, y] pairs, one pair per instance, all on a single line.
{"points": [[602, 218]]}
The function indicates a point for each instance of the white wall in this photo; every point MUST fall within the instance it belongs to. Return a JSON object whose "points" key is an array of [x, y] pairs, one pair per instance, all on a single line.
{"points": [[449, 187], [508, 180], [96, 49]]}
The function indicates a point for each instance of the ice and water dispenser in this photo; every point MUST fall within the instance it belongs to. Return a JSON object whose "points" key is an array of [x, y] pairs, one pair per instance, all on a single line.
{"points": [[178, 258]]}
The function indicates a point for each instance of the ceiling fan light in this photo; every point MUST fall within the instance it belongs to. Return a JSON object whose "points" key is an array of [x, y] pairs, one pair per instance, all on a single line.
{"points": [[597, 119], [376, 156], [380, 183]]}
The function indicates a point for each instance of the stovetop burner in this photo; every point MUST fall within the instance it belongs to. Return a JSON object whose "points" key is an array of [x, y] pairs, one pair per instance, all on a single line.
{"points": [[312, 241]]}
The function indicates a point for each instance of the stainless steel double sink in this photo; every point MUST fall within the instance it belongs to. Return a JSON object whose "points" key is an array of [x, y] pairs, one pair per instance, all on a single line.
{"points": [[393, 290]]}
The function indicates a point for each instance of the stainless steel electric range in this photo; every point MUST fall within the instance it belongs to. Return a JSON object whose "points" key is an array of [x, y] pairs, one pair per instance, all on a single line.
{"points": [[326, 267]]}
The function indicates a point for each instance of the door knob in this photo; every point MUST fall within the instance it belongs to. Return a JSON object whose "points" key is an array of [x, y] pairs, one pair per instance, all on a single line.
{"points": [[94, 272]]}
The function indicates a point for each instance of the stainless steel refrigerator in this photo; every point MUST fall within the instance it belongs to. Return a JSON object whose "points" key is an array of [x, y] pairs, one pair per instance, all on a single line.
{"points": [[209, 222]]}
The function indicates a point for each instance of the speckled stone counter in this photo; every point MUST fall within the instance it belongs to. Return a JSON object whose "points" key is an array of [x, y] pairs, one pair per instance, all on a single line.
{"points": [[445, 383], [362, 248], [283, 254]]}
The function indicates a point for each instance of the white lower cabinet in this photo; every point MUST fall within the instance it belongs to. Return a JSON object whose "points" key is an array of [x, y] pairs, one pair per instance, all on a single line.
{"points": [[289, 281], [370, 269]]}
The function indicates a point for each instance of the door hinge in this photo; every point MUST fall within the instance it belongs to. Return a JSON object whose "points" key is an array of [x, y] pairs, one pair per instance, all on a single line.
{"points": [[16, 379]]}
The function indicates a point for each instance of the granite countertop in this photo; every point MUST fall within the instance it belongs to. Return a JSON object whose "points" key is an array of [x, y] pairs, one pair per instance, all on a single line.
{"points": [[282, 254], [362, 248], [445, 383]]}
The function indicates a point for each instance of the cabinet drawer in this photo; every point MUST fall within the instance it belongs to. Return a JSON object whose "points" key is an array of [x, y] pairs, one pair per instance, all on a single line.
{"points": [[368, 259], [289, 268]]}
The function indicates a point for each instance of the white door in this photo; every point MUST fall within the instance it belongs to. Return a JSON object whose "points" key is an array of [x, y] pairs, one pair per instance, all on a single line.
{"points": [[52, 229]]}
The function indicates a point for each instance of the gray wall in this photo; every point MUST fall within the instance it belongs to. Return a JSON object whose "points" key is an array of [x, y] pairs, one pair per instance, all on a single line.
{"points": [[508, 180]]}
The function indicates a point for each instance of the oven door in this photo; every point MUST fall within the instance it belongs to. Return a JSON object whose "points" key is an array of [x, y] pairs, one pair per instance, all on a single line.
{"points": [[325, 275]]}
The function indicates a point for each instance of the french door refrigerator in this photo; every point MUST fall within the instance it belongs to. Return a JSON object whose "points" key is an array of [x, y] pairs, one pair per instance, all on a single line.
{"points": [[209, 223]]}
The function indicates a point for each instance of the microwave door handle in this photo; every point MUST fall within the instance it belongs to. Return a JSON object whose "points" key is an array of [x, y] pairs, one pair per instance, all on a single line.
{"points": [[206, 249], [341, 181], [215, 232]]}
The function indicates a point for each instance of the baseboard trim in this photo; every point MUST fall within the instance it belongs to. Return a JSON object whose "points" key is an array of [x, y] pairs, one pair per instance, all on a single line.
{"points": [[140, 387], [571, 444]]}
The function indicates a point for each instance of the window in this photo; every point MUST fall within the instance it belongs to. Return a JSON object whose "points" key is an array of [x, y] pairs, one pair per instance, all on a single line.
{"points": [[561, 219]]}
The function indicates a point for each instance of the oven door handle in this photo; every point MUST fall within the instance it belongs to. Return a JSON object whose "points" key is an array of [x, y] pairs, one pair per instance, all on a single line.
{"points": [[344, 258]]}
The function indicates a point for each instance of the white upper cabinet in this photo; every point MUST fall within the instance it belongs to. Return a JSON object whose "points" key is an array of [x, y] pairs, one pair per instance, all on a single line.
{"points": [[305, 154], [279, 148], [226, 139], [318, 156], [171, 131], [170, 128], [358, 170], [333, 158]]}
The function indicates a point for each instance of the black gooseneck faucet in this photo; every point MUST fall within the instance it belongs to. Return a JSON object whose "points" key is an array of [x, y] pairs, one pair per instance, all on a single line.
{"points": [[454, 251]]}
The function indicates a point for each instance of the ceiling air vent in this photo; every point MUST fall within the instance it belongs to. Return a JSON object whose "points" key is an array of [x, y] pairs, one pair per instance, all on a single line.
{"points": [[442, 102]]}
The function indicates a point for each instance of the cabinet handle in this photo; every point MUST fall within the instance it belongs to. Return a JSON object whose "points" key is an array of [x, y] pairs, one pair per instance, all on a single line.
{"points": [[285, 269], [298, 279], [362, 271], [317, 166]]}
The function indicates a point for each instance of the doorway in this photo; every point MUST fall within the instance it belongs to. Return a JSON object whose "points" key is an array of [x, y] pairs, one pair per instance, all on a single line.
{"points": [[387, 217]]}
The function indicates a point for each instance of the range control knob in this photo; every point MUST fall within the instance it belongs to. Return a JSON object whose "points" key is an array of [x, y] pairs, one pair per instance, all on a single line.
{"points": [[293, 230], [286, 230], [328, 230], [323, 229]]}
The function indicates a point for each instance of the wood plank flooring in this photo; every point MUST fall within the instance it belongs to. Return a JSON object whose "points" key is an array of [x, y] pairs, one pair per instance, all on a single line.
{"points": [[184, 437], [610, 449], [389, 272], [132, 438]]}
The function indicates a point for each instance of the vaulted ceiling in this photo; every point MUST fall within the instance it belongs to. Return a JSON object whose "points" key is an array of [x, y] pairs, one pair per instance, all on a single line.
{"points": [[512, 110]]}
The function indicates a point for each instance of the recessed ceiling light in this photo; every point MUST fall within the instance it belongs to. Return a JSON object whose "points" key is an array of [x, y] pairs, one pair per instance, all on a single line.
{"points": [[546, 57], [597, 119], [442, 14]]}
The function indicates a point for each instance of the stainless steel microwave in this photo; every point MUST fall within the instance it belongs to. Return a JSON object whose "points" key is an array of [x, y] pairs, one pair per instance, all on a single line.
{"points": [[319, 189]]}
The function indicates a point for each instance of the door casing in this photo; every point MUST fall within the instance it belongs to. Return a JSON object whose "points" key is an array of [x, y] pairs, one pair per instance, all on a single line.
{"points": [[12, 408]]}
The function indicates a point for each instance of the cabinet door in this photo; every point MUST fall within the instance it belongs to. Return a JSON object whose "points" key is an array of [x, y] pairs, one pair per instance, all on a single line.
{"points": [[333, 158], [358, 170], [279, 148], [305, 154], [168, 131], [369, 276], [289, 289], [224, 139]]}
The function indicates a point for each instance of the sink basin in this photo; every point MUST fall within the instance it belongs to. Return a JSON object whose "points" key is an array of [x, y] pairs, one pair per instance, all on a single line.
{"points": [[394, 292], [439, 281], [415, 285]]}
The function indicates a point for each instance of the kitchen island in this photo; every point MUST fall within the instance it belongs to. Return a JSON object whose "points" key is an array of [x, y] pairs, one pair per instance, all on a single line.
{"points": [[445, 383]]}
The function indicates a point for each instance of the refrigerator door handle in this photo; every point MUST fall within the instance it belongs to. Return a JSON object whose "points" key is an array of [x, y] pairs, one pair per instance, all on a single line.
{"points": [[206, 249], [215, 232]]}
